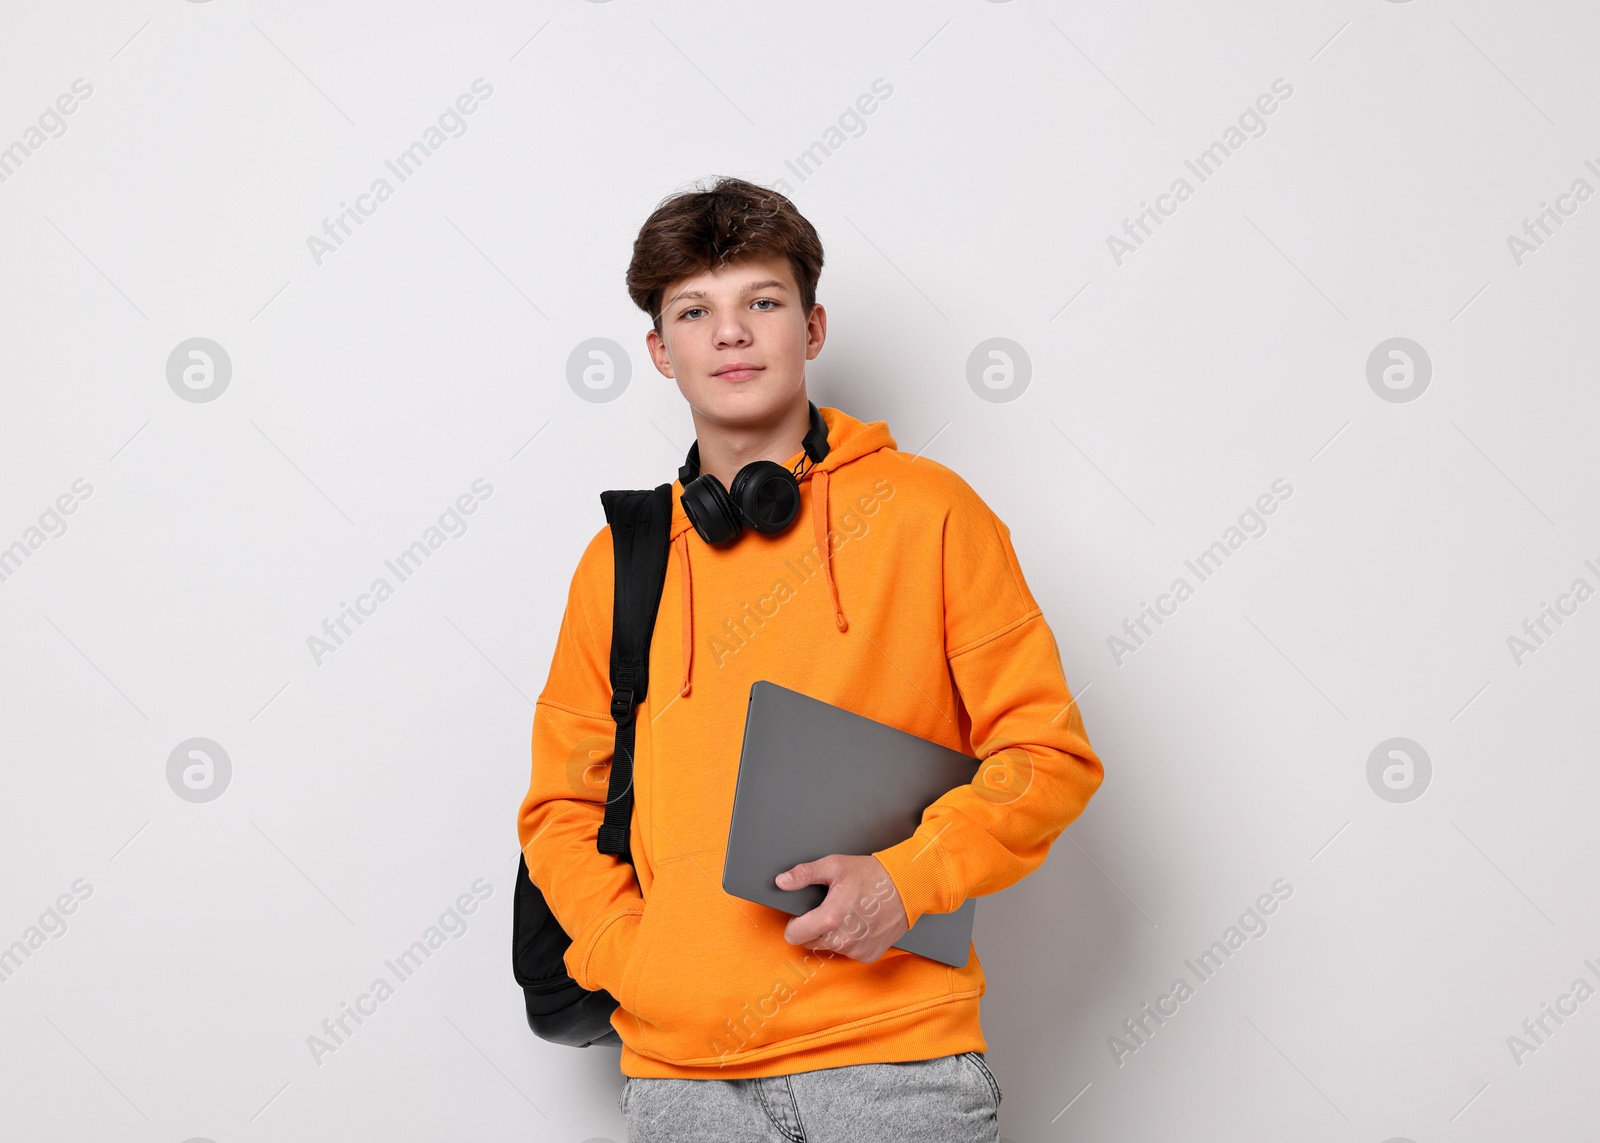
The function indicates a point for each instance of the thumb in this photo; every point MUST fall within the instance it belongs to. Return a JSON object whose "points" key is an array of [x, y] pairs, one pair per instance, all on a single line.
{"points": [[796, 876]]}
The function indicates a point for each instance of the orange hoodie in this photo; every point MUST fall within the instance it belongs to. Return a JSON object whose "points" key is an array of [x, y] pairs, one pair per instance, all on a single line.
{"points": [[895, 594]]}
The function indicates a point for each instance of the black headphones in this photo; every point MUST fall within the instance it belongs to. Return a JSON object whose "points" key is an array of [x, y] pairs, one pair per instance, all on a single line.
{"points": [[765, 495]]}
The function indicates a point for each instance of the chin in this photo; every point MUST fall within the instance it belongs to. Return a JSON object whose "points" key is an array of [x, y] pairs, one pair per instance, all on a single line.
{"points": [[750, 400]]}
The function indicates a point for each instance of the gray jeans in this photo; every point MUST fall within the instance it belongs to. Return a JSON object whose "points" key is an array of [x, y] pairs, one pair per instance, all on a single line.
{"points": [[951, 1099]]}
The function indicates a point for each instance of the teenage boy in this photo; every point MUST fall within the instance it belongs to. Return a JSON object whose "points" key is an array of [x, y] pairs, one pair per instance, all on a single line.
{"points": [[894, 593]]}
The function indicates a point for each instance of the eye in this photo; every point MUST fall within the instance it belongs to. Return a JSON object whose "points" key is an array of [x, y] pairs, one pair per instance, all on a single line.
{"points": [[689, 311], [759, 301]]}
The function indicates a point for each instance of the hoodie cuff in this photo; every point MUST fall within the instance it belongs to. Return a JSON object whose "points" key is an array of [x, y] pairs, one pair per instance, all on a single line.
{"points": [[917, 868], [601, 960]]}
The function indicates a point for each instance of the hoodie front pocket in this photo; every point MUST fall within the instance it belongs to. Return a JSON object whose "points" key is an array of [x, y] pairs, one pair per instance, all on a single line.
{"points": [[712, 977], [708, 976]]}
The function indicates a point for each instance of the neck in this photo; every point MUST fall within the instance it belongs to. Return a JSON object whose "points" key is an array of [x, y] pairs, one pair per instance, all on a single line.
{"points": [[725, 449]]}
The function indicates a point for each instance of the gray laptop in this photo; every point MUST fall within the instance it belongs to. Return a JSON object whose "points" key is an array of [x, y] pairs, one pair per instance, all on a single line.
{"points": [[815, 779]]}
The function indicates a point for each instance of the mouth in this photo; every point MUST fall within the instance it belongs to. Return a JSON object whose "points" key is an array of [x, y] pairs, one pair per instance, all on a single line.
{"points": [[737, 371]]}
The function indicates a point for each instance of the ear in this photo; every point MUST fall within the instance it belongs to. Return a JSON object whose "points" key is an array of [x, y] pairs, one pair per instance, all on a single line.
{"points": [[657, 347], [816, 330]]}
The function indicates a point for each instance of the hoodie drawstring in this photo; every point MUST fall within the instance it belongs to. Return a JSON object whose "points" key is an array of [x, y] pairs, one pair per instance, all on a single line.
{"points": [[819, 519], [687, 626]]}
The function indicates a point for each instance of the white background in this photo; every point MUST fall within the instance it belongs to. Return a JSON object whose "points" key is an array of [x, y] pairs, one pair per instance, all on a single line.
{"points": [[368, 392]]}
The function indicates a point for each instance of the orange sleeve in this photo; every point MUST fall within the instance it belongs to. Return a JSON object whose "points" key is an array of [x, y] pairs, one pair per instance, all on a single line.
{"points": [[1038, 770], [593, 896]]}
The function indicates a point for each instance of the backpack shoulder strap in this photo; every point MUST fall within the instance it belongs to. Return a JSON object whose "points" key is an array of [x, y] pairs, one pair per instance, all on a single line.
{"points": [[641, 523]]}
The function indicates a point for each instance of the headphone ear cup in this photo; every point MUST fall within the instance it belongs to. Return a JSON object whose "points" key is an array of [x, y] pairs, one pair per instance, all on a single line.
{"points": [[767, 496], [710, 510]]}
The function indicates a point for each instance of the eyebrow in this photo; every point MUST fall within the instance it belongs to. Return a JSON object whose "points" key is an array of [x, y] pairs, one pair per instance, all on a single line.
{"points": [[701, 295]]}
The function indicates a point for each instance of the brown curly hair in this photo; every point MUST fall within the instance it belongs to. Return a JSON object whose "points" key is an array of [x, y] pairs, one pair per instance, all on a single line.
{"points": [[704, 229]]}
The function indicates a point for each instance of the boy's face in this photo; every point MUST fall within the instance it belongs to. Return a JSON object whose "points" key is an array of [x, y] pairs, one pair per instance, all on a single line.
{"points": [[745, 314]]}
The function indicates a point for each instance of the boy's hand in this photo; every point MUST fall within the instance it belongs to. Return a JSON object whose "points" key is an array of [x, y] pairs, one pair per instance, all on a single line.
{"points": [[861, 916]]}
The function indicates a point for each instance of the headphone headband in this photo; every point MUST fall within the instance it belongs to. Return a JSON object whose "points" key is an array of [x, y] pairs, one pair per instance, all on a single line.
{"points": [[815, 444]]}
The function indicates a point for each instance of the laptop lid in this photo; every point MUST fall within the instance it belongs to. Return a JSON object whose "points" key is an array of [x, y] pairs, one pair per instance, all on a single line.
{"points": [[816, 779]]}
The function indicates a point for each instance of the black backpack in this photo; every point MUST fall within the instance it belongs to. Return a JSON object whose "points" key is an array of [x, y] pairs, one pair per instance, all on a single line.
{"points": [[559, 1009]]}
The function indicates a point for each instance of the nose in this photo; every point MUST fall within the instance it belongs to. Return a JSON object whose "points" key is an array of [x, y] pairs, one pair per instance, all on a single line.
{"points": [[732, 331]]}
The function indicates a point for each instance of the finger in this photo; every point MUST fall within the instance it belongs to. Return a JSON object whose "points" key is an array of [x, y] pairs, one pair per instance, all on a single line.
{"points": [[818, 872], [838, 943], [809, 928], [830, 941], [855, 950], [844, 932]]}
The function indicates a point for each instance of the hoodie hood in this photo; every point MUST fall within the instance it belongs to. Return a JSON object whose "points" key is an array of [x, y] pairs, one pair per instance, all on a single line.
{"points": [[848, 440]]}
